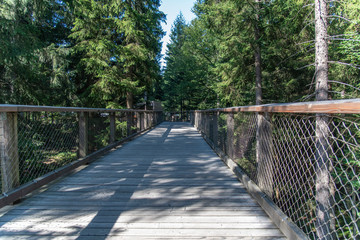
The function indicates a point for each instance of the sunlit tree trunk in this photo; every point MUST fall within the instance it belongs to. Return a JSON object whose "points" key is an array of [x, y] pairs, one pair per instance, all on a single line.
{"points": [[129, 100], [324, 225]]}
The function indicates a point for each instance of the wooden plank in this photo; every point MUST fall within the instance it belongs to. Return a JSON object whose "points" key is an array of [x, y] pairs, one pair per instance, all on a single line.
{"points": [[136, 225], [164, 232], [93, 217], [146, 237]]}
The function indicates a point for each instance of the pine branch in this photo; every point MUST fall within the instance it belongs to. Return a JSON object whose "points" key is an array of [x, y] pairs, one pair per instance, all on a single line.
{"points": [[344, 39], [343, 18], [346, 84], [309, 65], [346, 64], [310, 41]]}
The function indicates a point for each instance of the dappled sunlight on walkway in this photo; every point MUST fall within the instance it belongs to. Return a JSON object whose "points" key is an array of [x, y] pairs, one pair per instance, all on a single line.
{"points": [[166, 184]]}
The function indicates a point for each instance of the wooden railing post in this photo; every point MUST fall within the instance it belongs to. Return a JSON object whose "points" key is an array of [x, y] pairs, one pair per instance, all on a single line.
{"points": [[207, 124], [9, 151], [138, 121], [152, 117], [129, 120], [230, 135], [112, 127], [142, 118], [146, 120], [215, 128], [83, 134]]}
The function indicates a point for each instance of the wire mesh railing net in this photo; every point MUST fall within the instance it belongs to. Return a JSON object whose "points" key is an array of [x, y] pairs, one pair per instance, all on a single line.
{"points": [[98, 131], [33, 144], [307, 164], [44, 142]]}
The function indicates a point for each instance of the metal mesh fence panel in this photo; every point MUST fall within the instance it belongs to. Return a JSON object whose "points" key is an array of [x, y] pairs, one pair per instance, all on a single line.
{"points": [[308, 164], [41, 143], [98, 131], [120, 126], [36, 143]]}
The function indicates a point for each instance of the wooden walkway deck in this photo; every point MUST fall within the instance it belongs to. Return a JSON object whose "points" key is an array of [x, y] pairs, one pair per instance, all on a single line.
{"points": [[166, 184]]}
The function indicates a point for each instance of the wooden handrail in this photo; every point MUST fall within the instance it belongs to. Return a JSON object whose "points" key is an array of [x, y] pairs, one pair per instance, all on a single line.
{"points": [[331, 106], [31, 108]]}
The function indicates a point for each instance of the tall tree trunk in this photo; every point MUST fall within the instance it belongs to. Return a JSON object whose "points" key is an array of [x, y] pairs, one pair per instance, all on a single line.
{"points": [[129, 100], [324, 225], [257, 55], [263, 128], [321, 50]]}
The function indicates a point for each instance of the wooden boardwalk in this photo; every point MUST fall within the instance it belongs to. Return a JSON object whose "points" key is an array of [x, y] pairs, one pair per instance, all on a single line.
{"points": [[166, 184]]}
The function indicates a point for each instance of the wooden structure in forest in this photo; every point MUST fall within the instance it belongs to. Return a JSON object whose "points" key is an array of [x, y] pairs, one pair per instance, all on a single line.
{"points": [[168, 183]]}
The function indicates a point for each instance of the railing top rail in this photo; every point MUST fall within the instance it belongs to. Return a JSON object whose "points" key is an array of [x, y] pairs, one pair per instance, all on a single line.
{"points": [[331, 106], [31, 108]]}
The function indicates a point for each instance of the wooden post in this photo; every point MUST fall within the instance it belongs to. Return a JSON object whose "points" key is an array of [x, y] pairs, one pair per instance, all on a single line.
{"points": [[208, 120], [10, 177], [153, 119], [112, 127], [215, 128], [129, 122], [146, 120], [230, 135], [264, 154], [83, 134], [142, 119], [138, 121]]}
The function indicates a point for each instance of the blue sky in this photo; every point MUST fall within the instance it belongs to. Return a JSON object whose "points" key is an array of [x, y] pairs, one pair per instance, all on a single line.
{"points": [[172, 8]]}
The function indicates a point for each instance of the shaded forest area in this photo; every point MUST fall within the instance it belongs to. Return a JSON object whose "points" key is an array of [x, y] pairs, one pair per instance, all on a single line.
{"points": [[107, 53]]}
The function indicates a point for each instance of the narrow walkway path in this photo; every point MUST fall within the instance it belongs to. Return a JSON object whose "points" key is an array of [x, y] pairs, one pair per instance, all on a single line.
{"points": [[166, 184]]}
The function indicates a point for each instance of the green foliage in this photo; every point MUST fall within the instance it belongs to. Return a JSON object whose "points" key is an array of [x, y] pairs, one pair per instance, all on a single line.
{"points": [[220, 43], [118, 43], [90, 53], [185, 85], [33, 59]]}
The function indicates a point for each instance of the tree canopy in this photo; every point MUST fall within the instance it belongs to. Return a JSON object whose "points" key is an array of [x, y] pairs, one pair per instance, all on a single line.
{"points": [[98, 53], [222, 41]]}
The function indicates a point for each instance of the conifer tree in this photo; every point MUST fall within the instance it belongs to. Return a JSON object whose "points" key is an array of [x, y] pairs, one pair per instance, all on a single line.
{"points": [[33, 55], [119, 42]]}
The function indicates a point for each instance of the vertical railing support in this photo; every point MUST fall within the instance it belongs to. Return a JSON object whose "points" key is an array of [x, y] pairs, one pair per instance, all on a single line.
{"points": [[129, 120], [142, 119], [83, 134], [215, 128], [9, 151], [138, 121], [230, 135], [146, 120], [112, 127]]}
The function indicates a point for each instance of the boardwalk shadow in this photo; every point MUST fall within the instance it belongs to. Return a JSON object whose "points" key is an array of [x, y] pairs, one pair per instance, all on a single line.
{"points": [[132, 180]]}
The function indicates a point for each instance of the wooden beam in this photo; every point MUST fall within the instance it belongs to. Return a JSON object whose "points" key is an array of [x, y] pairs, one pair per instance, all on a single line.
{"points": [[30, 108], [349, 106]]}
